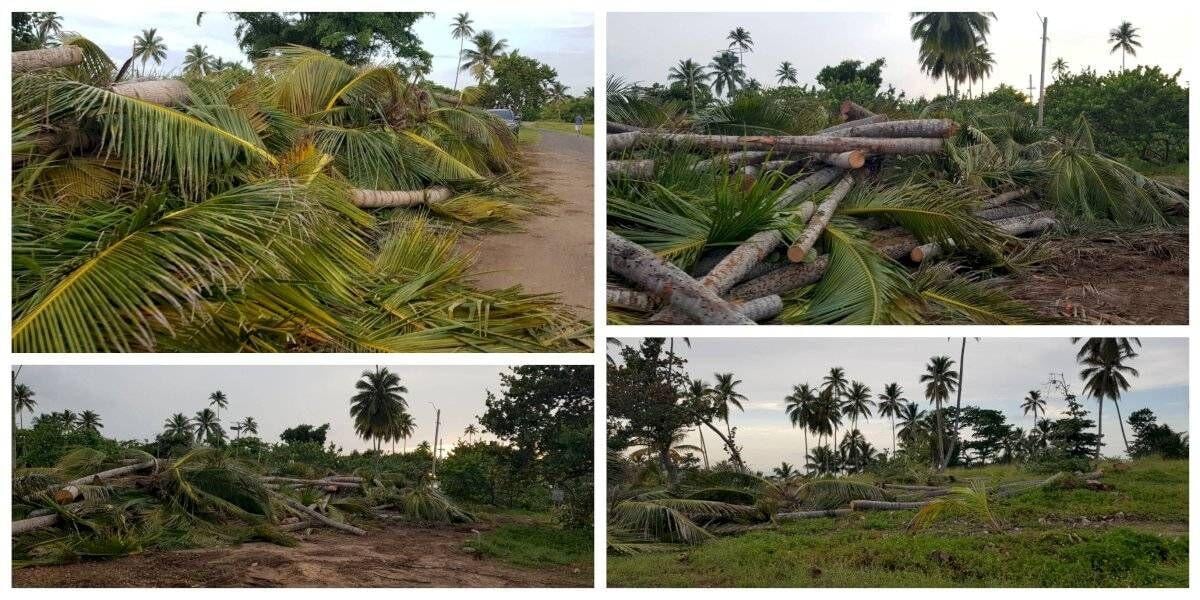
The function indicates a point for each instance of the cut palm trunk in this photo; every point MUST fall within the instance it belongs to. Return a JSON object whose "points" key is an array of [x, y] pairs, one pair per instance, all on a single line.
{"points": [[852, 110], [855, 123], [667, 282], [792, 276], [632, 169], [98, 478], [1015, 226], [732, 160], [912, 128], [320, 518], [25, 61], [807, 187], [1005, 198], [33, 524], [296, 526], [625, 298], [881, 505], [312, 482], [820, 219], [166, 92], [853, 159], [762, 309], [813, 514], [794, 143], [614, 127], [385, 198]]}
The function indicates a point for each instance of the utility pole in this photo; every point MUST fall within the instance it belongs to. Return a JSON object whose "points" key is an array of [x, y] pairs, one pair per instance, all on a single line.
{"points": [[1042, 81], [1031, 87], [437, 424]]}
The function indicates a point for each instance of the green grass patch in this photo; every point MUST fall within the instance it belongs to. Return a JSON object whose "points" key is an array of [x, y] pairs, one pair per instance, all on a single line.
{"points": [[589, 129], [528, 135], [535, 545]]}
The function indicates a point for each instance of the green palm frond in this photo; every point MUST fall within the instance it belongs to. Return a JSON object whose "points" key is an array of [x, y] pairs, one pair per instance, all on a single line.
{"points": [[953, 297], [931, 213], [823, 494], [967, 502], [860, 286]]}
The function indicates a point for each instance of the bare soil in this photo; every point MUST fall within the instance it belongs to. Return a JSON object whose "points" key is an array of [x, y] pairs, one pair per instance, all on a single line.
{"points": [[553, 253], [1135, 278], [392, 556]]}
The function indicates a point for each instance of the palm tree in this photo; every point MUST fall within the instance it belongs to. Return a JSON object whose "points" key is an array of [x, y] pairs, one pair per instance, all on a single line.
{"points": [[800, 408], [786, 73], [697, 393], [471, 431], [460, 30], [858, 403], [692, 76], [89, 421], [727, 73], [404, 428], [218, 400], [206, 425], [1124, 38], [978, 64], [837, 385], [23, 402], [740, 38], [827, 417], [481, 59], [946, 38], [178, 425], [1104, 376], [1059, 67], [149, 46], [557, 91], [1034, 403], [912, 420], [247, 426], [891, 402], [377, 405], [940, 379], [197, 61], [725, 393], [47, 25], [784, 471]]}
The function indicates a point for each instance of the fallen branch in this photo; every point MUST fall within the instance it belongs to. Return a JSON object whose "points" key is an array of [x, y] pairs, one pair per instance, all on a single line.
{"points": [[324, 520], [881, 505], [1002, 199], [386, 198], [816, 225], [33, 524], [813, 514]]}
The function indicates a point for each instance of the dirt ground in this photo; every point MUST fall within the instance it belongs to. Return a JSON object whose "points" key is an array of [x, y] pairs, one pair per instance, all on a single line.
{"points": [[554, 252], [1110, 279], [395, 556]]}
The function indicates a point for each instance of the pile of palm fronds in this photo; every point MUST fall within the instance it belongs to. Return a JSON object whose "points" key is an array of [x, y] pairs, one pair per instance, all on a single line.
{"points": [[842, 225], [91, 505], [226, 212]]}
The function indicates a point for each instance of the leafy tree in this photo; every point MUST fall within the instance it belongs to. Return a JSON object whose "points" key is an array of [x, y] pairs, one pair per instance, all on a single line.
{"points": [[1152, 439], [483, 472], [1071, 435], [852, 71], [24, 31], [520, 83], [643, 401], [990, 432], [305, 434], [354, 37]]}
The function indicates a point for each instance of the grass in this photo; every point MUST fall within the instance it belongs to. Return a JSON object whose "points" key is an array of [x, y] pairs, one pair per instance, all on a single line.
{"points": [[536, 545], [528, 135], [1044, 543], [589, 129]]}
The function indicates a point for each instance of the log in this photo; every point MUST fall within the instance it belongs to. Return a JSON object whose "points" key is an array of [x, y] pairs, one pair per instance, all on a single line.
{"points": [[807, 186], [1002, 199], [880, 505], [33, 524], [855, 123], [912, 128], [816, 225], [320, 518], [895, 247], [67, 495], [297, 526], [777, 165], [852, 110], [853, 159], [633, 169], [25, 61], [166, 92], [1015, 226], [625, 298], [762, 309], [813, 514], [617, 142], [311, 482], [1004, 212], [666, 281], [914, 488], [385, 198], [98, 478], [792, 276], [733, 159], [614, 127]]}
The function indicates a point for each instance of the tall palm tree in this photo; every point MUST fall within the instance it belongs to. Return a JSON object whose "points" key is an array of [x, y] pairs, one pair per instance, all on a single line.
{"points": [[377, 405], [47, 25], [1124, 38], [827, 418], [89, 421], [460, 30], [940, 380], [740, 38], [471, 431], [698, 391], [148, 45], [219, 400], [206, 425], [784, 471], [1059, 67], [692, 76], [178, 425], [858, 403], [801, 407], [786, 73], [945, 40], [557, 91], [405, 426], [197, 61], [891, 402], [728, 74], [912, 420], [482, 58], [248, 426], [977, 66], [837, 384], [23, 402], [1034, 403], [725, 393], [1105, 377]]}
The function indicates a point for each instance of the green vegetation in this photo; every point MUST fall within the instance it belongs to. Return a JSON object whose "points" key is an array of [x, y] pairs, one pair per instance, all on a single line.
{"points": [[536, 545], [589, 129]]}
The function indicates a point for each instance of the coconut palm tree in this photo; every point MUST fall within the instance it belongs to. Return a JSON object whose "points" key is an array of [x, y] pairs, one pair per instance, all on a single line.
{"points": [[692, 76], [891, 402], [1106, 376], [1059, 67], [207, 426], [837, 384], [858, 403], [728, 74], [1033, 403], [827, 418], [377, 405], [247, 426], [978, 64], [940, 380], [23, 402], [557, 91], [404, 427], [470, 431], [219, 400], [725, 394], [945, 39], [800, 407], [740, 38], [912, 421], [47, 25], [148, 45], [89, 421], [178, 425], [698, 392], [198, 62], [784, 471], [482, 58], [460, 30], [1124, 38], [786, 73]]}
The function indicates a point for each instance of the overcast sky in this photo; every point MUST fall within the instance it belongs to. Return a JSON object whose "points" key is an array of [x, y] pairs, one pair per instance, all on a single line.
{"points": [[642, 47], [135, 400], [999, 373], [561, 39]]}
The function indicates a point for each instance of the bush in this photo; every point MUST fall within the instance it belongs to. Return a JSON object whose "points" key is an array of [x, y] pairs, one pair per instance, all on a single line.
{"points": [[483, 473], [1057, 461]]}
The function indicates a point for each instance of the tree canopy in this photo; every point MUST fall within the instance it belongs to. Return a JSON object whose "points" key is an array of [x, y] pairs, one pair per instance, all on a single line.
{"points": [[354, 37]]}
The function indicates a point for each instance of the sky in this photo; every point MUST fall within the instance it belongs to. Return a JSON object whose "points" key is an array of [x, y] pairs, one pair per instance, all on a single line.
{"points": [[999, 373], [642, 47], [561, 39], [133, 401]]}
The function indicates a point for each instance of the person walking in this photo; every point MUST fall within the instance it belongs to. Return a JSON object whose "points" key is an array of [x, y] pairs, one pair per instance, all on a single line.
{"points": [[578, 124]]}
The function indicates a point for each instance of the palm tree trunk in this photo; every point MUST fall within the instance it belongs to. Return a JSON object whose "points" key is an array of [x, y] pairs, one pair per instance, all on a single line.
{"points": [[734, 455], [893, 435], [806, 448], [458, 65], [703, 448], [941, 433], [1100, 429], [1122, 424], [962, 356]]}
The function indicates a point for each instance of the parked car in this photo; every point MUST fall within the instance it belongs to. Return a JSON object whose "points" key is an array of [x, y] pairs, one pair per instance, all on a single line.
{"points": [[509, 117]]}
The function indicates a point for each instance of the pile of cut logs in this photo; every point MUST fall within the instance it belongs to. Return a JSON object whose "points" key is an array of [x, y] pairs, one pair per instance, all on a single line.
{"points": [[741, 287]]}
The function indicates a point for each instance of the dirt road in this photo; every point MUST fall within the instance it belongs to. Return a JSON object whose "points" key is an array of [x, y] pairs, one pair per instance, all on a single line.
{"points": [[554, 252], [395, 556]]}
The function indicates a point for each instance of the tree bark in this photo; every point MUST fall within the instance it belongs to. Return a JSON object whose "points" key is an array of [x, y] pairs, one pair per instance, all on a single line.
{"points": [[851, 160], [33, 524], [614, 127], [312, 482], [633, 169], [880, 505], [734, 455], [820, 219], [733, 159], [1015, 226], [618, 142], [762, 309], [98, 478], [297, 526], [855, 123], [320, 518], [25, 61], [792, 276], [813, 514], [1004, 212], [625, 298], [666, 281], [166, 92], [912, 128], [385, 198], [807, 187], [1002, 199], [853, 111]]}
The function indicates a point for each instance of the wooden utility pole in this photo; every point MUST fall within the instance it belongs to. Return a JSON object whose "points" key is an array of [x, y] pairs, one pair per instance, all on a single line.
{"points": [[1031, 87], [1042, 80], [437, 424]]}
